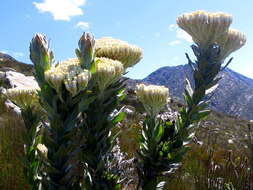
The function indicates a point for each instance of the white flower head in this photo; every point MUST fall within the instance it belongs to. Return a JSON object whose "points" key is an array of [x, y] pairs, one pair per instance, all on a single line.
{"points": [[212, 28], [153, 97], [234, 41], [119, 50], [23, 97], [70, 74], [107, 71], [204, 27], [43, 149]]}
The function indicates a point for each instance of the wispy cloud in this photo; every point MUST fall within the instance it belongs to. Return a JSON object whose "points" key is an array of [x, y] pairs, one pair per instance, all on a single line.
{"points": [[180, 35], [183, 35], [83, 25], [157, 35], [175, 59], [174, 42], [172, 27], [27, 16], [142, 37], [4, 51], [18, 54], [61, 9]]}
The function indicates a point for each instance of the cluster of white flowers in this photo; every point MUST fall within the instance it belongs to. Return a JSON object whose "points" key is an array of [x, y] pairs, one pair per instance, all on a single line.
{"points": [[153, 97], [70, 74], [23, 97], [107, 70], [43, 149], [119, 50], [208, 28]]}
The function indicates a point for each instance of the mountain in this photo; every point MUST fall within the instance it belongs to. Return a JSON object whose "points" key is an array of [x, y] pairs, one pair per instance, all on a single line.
{"points": [[234, 95], [7, 62]]}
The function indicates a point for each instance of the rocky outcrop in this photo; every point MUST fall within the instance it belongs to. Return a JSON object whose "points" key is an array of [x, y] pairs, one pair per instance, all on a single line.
{"points": [[14, 74], [11, 79]]}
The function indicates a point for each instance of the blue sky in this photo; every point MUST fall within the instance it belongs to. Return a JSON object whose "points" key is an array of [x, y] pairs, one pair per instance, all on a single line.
{"points": [[148, 24]]}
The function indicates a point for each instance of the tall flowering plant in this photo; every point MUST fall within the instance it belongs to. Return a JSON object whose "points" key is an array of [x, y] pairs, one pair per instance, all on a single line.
{"points": [[79, 96], [163, 145], [112, 58], [63, 96]]}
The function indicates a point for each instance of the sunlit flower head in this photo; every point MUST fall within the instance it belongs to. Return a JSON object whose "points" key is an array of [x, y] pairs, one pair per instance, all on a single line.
{"points": [[234, 41], [70, 74], [23, 97], [119, 50], [55, 78], [107, 71], [153, 97], [205, 28], [43, 149]]}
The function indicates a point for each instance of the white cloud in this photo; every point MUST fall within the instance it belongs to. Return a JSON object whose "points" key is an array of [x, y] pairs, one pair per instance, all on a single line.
{"points": [[172, 27], [4, 51], [18, 54], [180, 34], [83, 25], [157, 35], [175, 59], [183, 35], [61, 9], [174, 42]]}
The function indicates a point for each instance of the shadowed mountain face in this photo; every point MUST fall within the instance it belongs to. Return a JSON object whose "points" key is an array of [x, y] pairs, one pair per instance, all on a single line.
{"points": [[233, 96]]}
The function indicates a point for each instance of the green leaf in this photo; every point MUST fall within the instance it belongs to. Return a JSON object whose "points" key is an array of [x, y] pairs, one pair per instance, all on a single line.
{"points": [[159, 130], [93, 67], [118, 118], [83, 105]]}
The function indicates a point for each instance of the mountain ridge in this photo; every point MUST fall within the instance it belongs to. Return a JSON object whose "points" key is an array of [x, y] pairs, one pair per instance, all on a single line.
{"points": [[233, 96]]}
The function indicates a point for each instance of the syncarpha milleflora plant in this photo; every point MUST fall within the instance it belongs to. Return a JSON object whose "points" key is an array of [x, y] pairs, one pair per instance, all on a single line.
{"points": [[79, 96], [27, 100], [112, 58], [63, 96], [163, 145], [154, 143]]}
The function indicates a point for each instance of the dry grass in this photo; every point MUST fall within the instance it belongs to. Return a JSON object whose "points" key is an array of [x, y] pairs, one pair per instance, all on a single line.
{"points": [[11, 151]]}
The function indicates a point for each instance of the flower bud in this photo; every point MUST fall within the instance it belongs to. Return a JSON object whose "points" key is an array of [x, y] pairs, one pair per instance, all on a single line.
{"points": [[153, 97], [119, 50], [40, 54], [86, 50], [107, 70]]}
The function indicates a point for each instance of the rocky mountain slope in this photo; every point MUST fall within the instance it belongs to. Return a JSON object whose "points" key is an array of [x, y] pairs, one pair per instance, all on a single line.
{"points": [[234, 95], [7, 62]]}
